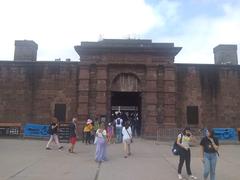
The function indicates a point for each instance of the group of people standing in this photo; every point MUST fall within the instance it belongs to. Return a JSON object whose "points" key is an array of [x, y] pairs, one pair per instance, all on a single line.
{"points": [[130, 117], [209, 148], [102, 136]]}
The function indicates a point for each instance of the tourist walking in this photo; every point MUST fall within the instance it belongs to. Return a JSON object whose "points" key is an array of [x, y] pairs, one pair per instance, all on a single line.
{"points": [[73, 134], [127, 139], [87, 131], [210, 146], [183, 140], [101, 144], [118, 125], [52, 131]]}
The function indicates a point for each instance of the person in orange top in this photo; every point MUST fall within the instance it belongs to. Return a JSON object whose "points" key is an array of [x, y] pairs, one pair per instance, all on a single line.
{"points": [[87, 131]]}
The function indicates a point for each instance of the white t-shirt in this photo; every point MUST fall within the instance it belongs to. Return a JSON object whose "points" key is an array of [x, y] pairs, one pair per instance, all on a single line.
{"points": [[116, 122], [127, 133]]}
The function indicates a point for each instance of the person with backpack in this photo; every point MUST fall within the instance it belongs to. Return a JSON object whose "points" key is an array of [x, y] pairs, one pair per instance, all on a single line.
{"points": [[52, 131], [118, 125], [210, 146], [183, 141]]}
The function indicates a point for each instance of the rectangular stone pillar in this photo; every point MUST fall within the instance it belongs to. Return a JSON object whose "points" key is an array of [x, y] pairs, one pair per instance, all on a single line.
{"points": [[169, 97], [83, 91], [150, 121], [101, 90]]}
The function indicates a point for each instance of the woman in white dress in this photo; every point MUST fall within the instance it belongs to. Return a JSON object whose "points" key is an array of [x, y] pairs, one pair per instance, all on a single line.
{"points": [[127, 139]]}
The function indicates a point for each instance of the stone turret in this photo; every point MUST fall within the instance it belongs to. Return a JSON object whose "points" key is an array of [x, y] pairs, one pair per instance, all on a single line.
{"points": [[25, 50], [225, 54]]}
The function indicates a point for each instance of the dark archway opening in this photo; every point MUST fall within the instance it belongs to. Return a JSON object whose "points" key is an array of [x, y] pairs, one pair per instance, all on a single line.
{"points": [[128, 104], [60, 112]]}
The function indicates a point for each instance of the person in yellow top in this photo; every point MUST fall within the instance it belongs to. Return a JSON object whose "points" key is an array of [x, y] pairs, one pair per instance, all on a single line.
{"points": [[183, 141], [87, 131]]}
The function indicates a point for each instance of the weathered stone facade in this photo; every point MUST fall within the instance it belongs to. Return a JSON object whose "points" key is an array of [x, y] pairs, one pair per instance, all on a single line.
{"points": [[168, 94], [29, 90], [214, 89]]}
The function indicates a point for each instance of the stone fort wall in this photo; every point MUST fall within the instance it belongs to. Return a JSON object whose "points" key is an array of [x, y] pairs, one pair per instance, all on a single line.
{"points": [[29, 90], [213, 89]]}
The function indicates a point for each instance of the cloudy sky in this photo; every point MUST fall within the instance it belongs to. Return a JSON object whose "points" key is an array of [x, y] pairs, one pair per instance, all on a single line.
{"points": [[57, 25]]}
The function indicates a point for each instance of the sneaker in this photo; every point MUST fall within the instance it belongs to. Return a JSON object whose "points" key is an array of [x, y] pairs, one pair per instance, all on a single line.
{"points": [[180, 176], [48, 148], [60, 147], [192, 177]]}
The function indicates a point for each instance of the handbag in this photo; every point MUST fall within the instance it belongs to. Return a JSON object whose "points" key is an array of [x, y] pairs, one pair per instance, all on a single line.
{"points": [[176, 147]]}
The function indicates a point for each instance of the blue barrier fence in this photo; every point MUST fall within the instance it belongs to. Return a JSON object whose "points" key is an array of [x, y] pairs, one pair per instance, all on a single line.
{"points": [[36, 130], [225, 133]]}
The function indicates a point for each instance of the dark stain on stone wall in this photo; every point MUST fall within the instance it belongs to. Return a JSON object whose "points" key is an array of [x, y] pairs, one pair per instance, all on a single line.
{"points": [[209, 79], [181, 75], [54, 68]]}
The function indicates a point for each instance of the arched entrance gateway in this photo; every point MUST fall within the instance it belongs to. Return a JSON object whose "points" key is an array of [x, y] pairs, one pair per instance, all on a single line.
{"points": [[130, 76], [126, 99]]}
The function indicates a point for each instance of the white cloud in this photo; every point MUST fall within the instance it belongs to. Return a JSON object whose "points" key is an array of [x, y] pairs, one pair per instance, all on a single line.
{"points": [[59, 25], [202, 34]]}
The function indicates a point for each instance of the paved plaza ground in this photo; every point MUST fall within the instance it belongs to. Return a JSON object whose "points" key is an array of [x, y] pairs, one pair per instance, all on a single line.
{"points": [[28, 160]]}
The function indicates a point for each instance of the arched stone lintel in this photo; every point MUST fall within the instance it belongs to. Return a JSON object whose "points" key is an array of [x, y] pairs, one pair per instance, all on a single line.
{"points": [[126, 82]]}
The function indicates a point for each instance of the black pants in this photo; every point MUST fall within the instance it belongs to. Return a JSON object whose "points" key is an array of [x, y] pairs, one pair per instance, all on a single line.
{"points": [[88, 137], [185, 155]]}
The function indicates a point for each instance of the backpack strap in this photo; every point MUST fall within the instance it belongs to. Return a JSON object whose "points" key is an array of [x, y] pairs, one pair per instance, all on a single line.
{"points": [[180, 138], [128, 134], [213, 147]]}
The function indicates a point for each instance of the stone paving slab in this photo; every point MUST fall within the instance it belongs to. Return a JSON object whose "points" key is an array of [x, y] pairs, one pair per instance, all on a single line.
{"points": [[28, 160]]}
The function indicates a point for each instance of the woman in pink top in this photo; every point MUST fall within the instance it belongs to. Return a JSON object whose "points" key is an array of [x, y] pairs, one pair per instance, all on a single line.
{"points": [[110, 133]]}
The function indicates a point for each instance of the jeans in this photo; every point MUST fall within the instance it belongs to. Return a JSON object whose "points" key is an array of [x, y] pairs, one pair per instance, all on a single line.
{"points": [[118, 134], [210, 161], [185, 155]]}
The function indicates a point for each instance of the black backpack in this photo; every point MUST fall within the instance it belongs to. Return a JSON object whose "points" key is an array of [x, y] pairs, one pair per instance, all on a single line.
{"points": [[176, 147]]}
